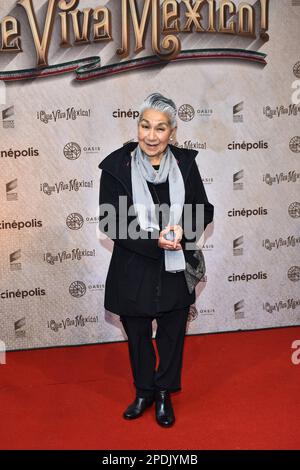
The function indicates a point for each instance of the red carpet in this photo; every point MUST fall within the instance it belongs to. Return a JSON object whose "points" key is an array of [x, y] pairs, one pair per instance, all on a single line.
{"points": [[240, 391]]}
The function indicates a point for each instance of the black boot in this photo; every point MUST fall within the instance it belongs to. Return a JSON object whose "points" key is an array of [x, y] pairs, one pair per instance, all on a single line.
{"points": [[163, 408], [136, 409]]}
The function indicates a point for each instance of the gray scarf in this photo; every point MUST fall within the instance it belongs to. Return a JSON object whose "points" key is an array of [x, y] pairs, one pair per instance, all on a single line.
{"points": [[141, 172]]}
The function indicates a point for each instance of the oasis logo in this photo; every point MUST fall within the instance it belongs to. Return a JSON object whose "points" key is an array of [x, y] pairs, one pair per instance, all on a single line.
{"points": [[296, 68], [74, 221], [186, 112], [295, 144], [77, 289], [72, 151], [293, 273], [294, 210]]}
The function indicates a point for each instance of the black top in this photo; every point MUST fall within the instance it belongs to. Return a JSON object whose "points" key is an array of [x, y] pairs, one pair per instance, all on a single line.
{"points": [[174, 293]]}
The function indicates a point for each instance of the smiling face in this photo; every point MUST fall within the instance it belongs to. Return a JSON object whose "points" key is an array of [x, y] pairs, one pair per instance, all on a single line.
{"points": [[154, 133]]}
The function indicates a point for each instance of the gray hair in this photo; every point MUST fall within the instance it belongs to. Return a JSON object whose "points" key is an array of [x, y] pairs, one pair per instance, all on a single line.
{"points": [[162, 104]]}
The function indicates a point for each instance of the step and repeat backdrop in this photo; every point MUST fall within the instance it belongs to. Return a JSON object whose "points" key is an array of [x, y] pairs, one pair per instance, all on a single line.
{"points": [[72, 77]]}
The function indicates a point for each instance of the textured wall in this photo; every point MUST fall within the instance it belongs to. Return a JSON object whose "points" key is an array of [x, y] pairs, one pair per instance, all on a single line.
{"points": [[55, 131]]}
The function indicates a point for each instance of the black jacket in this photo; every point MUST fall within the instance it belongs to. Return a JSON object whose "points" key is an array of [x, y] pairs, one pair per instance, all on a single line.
{"points": [[133, 279]]}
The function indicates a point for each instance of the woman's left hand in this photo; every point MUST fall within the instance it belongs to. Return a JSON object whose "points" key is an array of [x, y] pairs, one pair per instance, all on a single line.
{"points": [[178, 231]]}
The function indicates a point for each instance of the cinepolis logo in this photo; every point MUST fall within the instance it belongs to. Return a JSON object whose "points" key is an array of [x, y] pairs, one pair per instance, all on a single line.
{"points": [[77, 289], [74, 221], [294, 210], [72, 151], [186, 112], [29, 152], [247, 277], [119, 113], [248, 145], [20, 224], [295, 144], [247, 212], [193, 314]]}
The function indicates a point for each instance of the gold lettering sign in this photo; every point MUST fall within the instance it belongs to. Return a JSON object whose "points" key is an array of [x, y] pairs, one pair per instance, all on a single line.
{"points": [[92, 25]]}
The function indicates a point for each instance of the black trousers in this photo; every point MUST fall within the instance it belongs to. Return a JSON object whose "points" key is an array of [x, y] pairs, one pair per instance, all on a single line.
{"points": [[170, 334]]}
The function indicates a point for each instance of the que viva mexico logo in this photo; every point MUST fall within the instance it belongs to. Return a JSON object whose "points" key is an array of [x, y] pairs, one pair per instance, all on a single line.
{"points": [[168, 18]]}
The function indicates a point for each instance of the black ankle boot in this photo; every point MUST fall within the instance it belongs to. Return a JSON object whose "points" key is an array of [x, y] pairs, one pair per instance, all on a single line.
{"points": [[136, 409], [163, 408]]}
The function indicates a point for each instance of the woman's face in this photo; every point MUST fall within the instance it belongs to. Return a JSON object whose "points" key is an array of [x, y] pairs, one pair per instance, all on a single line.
{"points": [[154, 132]]}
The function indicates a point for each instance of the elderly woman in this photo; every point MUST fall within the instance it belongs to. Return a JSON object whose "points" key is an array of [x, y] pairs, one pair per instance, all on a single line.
{"points": [[146, 278]]}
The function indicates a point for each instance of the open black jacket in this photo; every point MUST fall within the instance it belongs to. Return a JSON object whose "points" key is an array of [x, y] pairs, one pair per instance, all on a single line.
{"points": [[135, 266]]}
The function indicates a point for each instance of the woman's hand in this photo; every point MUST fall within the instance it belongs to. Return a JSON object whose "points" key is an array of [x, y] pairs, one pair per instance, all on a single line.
{"points": [[169, 244]]}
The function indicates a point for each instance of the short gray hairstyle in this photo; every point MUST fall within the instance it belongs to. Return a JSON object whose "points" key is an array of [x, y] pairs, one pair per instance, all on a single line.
{"points": [[162, 104]]}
